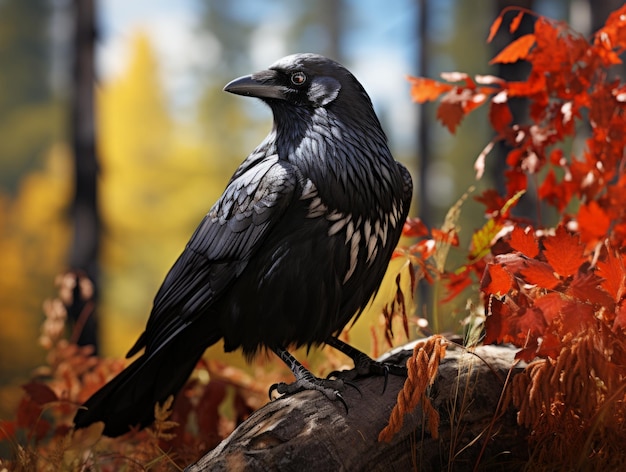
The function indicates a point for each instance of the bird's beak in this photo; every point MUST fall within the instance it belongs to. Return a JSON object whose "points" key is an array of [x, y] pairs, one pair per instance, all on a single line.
{"points": [[261, 85]]}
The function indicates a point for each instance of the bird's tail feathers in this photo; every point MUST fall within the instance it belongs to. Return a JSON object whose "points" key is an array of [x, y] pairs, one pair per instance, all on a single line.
{"points": [[128, 400]]}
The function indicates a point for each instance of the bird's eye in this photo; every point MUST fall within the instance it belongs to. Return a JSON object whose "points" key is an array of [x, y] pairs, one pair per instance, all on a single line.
{"points": [[298, 78]]}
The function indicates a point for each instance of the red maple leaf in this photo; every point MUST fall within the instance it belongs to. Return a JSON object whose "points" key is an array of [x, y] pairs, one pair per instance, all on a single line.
{"points": [[40, 393], [500, 115], [528, 323], [497, 329], [496, 280], [492, 200], [586, 287], [611, 269], [593, 222], [577, 317], [557, 193], [540, 274], [550, 345], [611, 37], [524, 241], [451, 114], [516, 181], [550, 305], [414, 227], [564, 252]]}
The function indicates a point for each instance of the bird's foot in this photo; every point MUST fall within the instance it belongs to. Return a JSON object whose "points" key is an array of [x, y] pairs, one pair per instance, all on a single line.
{"points": [[331, 388], [369, 368], [364, 365], [305, 380]]}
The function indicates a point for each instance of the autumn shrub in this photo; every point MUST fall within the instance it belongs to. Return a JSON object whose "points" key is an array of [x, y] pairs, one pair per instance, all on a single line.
{"points": [[556, 292]]}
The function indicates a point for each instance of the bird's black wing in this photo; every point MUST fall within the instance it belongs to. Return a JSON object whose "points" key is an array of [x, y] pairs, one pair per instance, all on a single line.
{"points": [[219, 250]]}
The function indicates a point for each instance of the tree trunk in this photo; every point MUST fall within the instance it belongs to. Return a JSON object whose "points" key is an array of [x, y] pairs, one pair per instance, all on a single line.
{"points": [[306, 430], [83, 258]]}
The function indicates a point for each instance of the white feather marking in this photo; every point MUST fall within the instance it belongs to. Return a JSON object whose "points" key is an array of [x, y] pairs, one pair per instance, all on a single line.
{"points": [[354, 254], [334, 216], [349, 231], [384, 233], [372, 256], [392, 217], [338, 226], [372, 247], [316, 208]]}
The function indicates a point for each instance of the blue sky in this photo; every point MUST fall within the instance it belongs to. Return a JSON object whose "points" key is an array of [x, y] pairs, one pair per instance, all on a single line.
{"points": [[381, 47]]}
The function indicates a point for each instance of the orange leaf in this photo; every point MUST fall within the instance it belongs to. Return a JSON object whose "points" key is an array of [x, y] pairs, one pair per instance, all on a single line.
{"points": [[457, 103], [495, 26], [524, 242], [496, 280], [414, 227], [564, 252], [456, 283], [447, 237], [516, 22], [515, 51], [426, 90], [536, 83]]}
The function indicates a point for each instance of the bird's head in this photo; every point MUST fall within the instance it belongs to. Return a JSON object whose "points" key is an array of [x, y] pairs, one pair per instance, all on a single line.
{"points": [[304, 80]]}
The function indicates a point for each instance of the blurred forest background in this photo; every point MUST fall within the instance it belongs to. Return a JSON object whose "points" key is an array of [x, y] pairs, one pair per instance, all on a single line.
{"points": [[167, 138]]}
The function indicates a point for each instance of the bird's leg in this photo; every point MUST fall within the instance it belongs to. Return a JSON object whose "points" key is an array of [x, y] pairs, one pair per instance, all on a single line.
{"points": [[364, 365], [305, 380]]}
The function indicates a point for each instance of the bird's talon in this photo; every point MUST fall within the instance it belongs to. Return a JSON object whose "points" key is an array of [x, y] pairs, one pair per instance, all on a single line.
{"points": [[339, 396], [274, 388], [386, 375]]}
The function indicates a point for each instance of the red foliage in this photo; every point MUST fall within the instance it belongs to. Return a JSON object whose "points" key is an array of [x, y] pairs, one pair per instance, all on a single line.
{"points": [[556, 293], [568, 91]]}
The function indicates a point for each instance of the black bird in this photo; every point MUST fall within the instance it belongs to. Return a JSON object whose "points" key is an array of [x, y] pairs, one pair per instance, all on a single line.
{"points": [[294, 248]]}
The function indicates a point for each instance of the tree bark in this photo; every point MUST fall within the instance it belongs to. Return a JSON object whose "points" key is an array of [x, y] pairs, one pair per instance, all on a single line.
{"points": [[307, 431], [83, 257]]}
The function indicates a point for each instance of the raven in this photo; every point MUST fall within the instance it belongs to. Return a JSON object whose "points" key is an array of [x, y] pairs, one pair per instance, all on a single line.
{"points": [[294, 248]]}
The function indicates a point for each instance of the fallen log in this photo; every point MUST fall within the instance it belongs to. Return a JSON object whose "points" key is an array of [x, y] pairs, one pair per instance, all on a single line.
{"points": [[306, 431]]}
